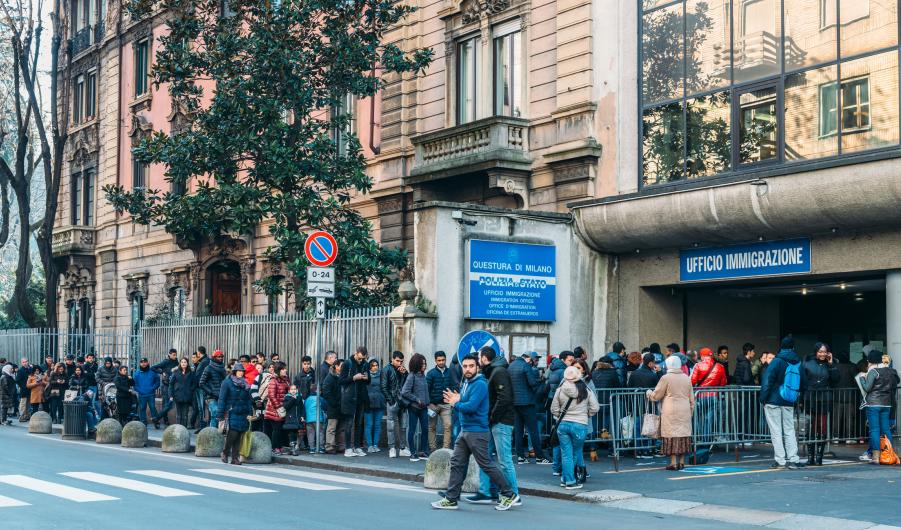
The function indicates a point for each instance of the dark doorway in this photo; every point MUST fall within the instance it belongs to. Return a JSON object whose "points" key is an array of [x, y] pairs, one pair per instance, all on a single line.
{"points": [[225, 288]]}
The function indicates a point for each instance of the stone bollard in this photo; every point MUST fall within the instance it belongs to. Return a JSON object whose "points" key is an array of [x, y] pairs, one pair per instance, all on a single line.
{"points": [[437, 472], [109, 431], [260, 449], [134, 434], [209, 442], [176, 439], [40, 423]]}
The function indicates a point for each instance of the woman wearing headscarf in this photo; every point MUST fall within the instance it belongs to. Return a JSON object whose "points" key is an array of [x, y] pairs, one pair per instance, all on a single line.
{"points": [[675, 391], [573, 405], [234, 400]]}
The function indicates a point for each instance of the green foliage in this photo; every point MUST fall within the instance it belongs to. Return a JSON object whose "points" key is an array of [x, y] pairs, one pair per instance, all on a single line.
{"points": [[35, 293], [263, 145]]}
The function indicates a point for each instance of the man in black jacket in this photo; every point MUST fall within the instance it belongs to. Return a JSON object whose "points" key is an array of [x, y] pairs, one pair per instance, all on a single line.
{"points": [[501, 417], [210, 383], [744, 369], [526, 383], [647, 375], [305, 377], [393, 377], [439, 379], [355, 397], [164, 368], [24, 393], [198, 412]]}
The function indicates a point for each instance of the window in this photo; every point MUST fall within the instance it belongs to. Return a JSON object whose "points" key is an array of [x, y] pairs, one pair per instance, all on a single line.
{"points": [[177, 303], [142, 64], [90, 95], [137, 311], [467, 75], [82, 198], [344, 110], [727, 85], [508, 69], [139, 173], [78, 100]]}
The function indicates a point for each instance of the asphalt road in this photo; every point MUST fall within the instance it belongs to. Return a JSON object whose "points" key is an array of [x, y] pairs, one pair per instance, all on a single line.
{"points": [[49, 483]]}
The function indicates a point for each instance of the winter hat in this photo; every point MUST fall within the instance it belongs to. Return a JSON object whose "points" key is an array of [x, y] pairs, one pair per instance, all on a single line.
{"points": [[218, 353], [572, 374], [107, 360], [874, 357], [705, 352], [238, 367], [8, 368], [534, 355], [673, 364], [788, 343]]}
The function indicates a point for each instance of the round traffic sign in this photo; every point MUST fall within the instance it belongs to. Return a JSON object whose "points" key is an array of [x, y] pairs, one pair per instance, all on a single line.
{"points": [[474, 341], [321, 248]]}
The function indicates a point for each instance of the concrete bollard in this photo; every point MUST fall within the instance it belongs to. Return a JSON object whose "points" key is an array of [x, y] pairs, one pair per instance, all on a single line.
{"points": [[209, 442], [260, 449], [40, 423], [437, 472], [109, 431], [176, 439], [134, 434]]}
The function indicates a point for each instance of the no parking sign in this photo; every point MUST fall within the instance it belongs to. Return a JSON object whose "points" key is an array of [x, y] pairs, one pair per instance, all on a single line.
{"points": [[321, 248]]}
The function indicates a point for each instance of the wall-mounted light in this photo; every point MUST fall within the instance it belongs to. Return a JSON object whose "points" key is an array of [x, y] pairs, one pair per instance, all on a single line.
{"points": [[760, 238], [804, 291], [843, 286]]}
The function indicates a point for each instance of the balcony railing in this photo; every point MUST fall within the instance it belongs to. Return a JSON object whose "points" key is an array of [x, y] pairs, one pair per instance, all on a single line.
{"points": [[87, 37], [498, 141], [73, 240], [755, 51]]}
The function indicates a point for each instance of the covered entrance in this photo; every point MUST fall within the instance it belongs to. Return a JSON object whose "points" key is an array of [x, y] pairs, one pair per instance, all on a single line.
{"points": [[224, 288]]}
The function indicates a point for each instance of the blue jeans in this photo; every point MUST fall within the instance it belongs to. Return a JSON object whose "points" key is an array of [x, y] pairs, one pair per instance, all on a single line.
{"points": [[214, 412], [572, 439], [143, 403], [422, 417], [372, 431], [707, 407], [501, 441], [95, 401], [878, 422]]}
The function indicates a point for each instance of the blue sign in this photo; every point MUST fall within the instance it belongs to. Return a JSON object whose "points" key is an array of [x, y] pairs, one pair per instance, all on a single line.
{"points": [[769, 258], [475, 341], [512, 281], [713, 470]]}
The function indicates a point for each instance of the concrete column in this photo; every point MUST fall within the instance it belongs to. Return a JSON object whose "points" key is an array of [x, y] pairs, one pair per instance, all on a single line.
{"points": [[893, 315]]}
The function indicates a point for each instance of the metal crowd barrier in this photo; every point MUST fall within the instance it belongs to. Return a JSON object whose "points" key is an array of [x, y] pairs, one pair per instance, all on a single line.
{"points": [[730, 417]]}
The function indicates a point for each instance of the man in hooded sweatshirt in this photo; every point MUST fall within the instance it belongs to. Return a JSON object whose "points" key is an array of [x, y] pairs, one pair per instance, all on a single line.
{"points": [[472, 404], [778, 397]]}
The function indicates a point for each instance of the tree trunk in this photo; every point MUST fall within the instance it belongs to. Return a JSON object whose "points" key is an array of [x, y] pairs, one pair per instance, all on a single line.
{"points": [[20, 304]]}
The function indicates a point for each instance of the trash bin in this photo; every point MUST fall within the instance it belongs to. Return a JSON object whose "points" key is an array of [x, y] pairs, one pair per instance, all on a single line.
{"points": [[75, 421]]}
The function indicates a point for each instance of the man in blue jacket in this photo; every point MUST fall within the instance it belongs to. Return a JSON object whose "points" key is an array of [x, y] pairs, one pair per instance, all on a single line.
{"points": [[439, 379], [472, 405], [146, 383], [778, 406], [525, 383]]}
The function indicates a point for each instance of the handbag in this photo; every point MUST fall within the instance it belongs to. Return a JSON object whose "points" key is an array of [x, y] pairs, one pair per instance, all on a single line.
{"points": [[246, 443], [650, 424], [554, 440], [281, 412], [888, 457], [627, 429], [70, 395], [223, 425]]}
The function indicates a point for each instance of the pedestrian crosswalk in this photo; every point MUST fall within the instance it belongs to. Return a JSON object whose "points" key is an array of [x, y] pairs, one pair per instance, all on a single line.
{"points": [[17, 490]]}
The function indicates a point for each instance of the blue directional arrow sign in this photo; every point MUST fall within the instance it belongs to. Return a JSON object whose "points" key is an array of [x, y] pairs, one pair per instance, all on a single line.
{"points": [[474, 341]]}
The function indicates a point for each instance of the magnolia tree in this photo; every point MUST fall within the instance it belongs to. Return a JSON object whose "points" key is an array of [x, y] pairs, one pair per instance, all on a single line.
{"points": [[266, 145]]}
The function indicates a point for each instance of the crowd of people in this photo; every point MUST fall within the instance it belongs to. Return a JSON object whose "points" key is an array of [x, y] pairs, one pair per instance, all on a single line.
{"points": [[500, 411]]}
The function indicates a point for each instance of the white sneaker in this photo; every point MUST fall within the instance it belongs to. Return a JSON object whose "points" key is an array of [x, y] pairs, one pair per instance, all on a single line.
{"points": [[370, 449], [349, 453], [865, 457], [376, 449], [392, 453], [404, 452], [359, 452]]}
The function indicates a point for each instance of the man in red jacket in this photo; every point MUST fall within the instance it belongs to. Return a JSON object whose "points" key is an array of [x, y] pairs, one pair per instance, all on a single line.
{"points": [[708, 373]]}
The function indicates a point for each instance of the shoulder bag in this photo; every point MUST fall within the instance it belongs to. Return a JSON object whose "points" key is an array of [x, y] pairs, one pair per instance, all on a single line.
{"points": [[554, 440]]}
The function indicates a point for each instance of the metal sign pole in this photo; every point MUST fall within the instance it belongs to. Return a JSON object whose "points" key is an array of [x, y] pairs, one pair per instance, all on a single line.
{"points": [[320, 320]]}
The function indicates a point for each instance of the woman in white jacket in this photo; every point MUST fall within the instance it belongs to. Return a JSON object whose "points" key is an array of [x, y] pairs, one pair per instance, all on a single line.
{"points": [[573, 405]]}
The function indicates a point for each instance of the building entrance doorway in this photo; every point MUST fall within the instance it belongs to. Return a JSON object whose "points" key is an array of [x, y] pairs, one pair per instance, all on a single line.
{"points": [[224, 281]]}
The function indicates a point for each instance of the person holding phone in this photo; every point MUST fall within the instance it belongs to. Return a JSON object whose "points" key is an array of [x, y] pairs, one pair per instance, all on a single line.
{"points": [[821, 375]]}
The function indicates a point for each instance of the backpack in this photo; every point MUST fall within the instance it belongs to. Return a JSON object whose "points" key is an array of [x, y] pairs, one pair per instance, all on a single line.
{"points": [[791, 383]]}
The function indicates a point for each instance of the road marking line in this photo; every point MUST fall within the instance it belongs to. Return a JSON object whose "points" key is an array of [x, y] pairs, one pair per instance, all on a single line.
{"points": [[6, 502], [130, 484], [270, 480], [346, 480], [730, 463], [52, 488], [201, 481]]}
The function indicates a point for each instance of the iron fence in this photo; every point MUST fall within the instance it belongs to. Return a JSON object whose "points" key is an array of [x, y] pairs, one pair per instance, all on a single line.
{"points": [[291, 336]]}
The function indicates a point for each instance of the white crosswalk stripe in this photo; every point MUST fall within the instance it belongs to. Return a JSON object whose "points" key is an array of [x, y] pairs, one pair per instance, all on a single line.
{"points": [[346, 480], [130, 484], [269, 479], [6, 502], [54, 489], [201, 481]]}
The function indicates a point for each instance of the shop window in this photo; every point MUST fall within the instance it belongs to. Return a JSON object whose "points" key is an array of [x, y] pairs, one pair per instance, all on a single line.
{"points": [[467, 76]]}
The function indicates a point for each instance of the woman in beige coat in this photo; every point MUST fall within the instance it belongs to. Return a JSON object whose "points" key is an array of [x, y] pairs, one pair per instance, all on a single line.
{"points": [[675, 390]]}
